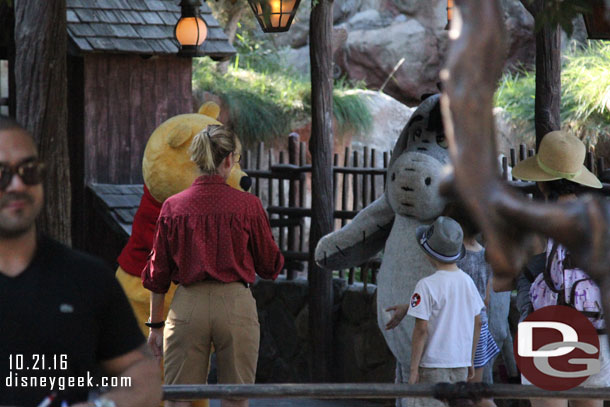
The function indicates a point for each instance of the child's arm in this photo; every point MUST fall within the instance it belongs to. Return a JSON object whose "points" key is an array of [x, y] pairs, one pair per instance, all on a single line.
{"points": [[475, 340], [420, 337], [487, 290], [400, 311]]}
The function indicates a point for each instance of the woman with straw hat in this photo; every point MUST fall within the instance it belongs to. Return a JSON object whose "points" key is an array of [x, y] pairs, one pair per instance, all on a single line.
{"points": [[558, 168]]}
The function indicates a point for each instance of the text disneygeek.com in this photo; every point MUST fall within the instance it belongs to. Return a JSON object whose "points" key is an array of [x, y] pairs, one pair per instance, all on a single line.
{"points": [[61, 383], [28, 372]]}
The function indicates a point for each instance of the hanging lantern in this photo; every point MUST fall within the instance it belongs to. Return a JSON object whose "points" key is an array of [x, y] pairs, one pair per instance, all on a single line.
{"points": [[190, 30], [598, 21], [449, 13], [274, 15]]}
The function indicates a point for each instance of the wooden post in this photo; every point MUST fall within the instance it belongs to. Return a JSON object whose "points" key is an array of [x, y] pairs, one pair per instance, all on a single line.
{"points": [[302, 192], [293, 193], [365, 178], [373, 177], [321, 148], [548, 73], [41, 103], [259, 165], [281, 203], [345, 192]]}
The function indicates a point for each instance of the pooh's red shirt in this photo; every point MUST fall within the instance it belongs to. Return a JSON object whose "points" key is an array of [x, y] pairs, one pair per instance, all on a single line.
{"points": [[211, 231], [134, 256]]}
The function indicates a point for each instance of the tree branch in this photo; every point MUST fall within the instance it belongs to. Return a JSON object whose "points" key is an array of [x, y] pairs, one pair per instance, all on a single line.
{"points": [[507, 220]]}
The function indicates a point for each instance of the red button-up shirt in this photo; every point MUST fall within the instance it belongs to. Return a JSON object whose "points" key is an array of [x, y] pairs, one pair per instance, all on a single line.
{"points": [[211, 231]]}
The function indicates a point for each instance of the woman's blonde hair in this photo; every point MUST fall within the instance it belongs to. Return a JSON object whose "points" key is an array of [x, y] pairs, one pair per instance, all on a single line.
{"points": [[212, 145]]}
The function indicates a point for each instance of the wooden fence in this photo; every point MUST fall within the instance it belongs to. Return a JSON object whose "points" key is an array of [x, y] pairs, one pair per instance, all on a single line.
{"points": [[282, 180]]}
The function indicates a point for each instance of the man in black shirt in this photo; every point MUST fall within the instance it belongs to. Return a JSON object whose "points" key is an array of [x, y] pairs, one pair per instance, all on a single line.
{"points": [[66, 329]]}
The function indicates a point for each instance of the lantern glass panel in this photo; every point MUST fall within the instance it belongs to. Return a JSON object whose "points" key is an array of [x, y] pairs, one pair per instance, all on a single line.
{"points": [[191, 31], [274, 15]]}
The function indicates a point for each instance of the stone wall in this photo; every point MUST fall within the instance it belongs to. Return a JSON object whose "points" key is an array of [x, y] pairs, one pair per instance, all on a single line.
{"points": [[361, 354]]}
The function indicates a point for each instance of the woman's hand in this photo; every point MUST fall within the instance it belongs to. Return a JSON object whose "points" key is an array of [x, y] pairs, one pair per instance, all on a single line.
{"points": [[155, 343], [400, 311]]}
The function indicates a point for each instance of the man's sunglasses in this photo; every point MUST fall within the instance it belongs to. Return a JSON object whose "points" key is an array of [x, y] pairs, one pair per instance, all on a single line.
{"points": [[31, 173]]}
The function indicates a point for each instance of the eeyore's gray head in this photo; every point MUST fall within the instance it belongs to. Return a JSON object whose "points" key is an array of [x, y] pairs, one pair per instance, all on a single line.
{"points": [[424, 132], [417, 164]]}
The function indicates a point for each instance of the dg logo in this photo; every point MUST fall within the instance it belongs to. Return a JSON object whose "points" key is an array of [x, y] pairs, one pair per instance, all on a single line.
{"points": [[557, 348]]}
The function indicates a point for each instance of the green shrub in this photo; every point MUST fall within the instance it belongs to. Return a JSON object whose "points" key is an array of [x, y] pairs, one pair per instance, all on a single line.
{"points": [[585, 94], [266, 101]]}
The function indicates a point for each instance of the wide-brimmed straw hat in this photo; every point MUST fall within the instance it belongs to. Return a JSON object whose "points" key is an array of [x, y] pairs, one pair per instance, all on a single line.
{"points": [[442, 240], [560, 156]]}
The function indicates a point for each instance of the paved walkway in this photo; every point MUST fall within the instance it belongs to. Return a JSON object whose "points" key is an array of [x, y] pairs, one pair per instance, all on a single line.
{"points": [[309, 403]]}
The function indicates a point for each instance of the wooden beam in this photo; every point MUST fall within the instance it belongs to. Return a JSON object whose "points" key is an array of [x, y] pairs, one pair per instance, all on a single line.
{"points": [[41, 103], [321, 149]]}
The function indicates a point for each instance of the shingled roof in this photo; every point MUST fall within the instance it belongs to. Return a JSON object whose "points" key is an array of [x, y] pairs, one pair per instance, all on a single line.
{"points": [[118, 205], [137, 26]]}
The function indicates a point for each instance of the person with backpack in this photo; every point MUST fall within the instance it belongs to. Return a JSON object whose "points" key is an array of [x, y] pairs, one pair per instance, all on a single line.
{"points": [[553, 280]]}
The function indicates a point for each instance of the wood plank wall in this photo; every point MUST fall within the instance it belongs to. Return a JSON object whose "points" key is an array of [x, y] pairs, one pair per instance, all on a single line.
{"points": [[126, 98]]}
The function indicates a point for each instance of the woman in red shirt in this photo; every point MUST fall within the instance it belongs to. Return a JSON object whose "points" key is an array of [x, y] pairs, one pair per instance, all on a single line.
{"points": [[210, 239]]}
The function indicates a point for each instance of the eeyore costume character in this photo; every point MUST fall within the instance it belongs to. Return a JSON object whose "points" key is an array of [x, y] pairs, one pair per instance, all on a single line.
{"points": [[411, 199]]}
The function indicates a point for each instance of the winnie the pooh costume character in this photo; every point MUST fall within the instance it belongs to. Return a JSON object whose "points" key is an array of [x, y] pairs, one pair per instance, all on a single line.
{"points": [[167, 170]]}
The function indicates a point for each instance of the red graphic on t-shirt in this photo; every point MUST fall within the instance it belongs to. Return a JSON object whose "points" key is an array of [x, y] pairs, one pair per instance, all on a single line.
{"points": [[415, 300]]}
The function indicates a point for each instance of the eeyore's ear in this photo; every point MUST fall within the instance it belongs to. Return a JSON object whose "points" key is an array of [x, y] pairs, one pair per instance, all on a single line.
{"points": [[422, 113], [403, 139], [439, 86]]}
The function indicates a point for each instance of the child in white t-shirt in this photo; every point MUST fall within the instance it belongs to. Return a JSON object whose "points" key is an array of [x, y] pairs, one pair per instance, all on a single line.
{"points": [[447, 308]]}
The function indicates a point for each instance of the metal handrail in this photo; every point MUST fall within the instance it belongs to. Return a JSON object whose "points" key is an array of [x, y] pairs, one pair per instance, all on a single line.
{"points": [[376, 391]]}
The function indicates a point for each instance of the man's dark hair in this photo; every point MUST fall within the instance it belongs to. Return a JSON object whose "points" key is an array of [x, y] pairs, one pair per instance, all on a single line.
{"points": [[461, 215], [562, 187], [8, 123]]}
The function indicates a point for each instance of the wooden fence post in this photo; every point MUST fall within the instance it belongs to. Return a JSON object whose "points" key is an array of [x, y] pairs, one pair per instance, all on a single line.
{"points": [[293, 193], [321, 147]]}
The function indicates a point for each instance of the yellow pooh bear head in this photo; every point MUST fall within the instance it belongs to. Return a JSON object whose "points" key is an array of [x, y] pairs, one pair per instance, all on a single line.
{"points": [[167, 167]]}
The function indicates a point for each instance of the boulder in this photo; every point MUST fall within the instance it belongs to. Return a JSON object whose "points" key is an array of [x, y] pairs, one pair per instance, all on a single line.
{"points": [[389, 118], [381, 32], [355, 305], [283, 328], [371, 55], [293, 294], [263, 292], [520, 29]]}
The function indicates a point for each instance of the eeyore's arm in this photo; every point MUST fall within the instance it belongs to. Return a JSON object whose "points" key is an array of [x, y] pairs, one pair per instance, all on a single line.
{"points": [[359, 240]]}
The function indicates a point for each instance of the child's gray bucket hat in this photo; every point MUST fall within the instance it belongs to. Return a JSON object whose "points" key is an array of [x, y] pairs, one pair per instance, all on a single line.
{"points": [[443, 240]]}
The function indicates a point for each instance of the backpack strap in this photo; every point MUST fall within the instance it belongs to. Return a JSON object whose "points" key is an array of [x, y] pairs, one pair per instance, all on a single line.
{"points": [[588, 314], [534, 266], [547, 274]]}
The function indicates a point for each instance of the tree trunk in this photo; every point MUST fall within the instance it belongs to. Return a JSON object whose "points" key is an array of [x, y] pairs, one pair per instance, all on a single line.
{"points": [[235, 14], [41, 85], [548, 81], [548, 73], [321, 148]]}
